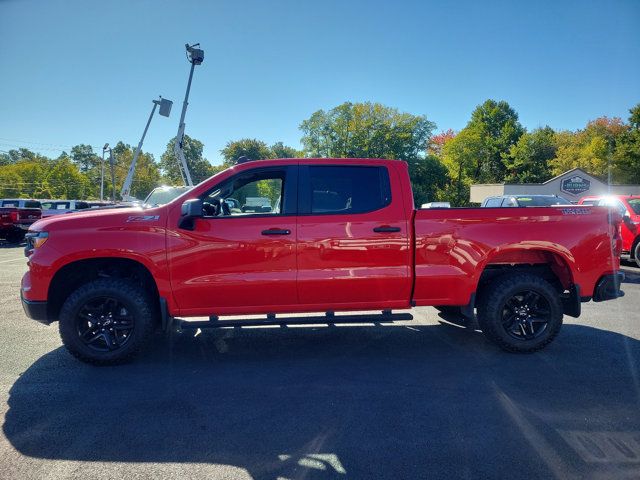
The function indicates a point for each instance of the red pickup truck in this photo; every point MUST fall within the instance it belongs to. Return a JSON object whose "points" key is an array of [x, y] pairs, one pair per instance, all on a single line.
{"points": [[16, 216], [333, 235], [629, 208]]}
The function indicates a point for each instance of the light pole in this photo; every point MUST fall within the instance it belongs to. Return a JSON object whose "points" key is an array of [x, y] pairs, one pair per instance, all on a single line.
{"points": [[195, 57], [104, 149]]}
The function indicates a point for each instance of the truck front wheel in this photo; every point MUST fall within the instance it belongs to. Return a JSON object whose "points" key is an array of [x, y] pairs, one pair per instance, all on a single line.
{"points": [[106, 321], [520, 312]]}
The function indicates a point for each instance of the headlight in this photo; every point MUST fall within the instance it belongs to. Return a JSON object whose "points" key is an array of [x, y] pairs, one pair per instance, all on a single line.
{"points": [[34, 240]]}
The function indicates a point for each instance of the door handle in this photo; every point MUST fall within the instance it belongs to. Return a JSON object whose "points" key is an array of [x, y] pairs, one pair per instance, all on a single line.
{"points": [[276, 231], [385, 229]]}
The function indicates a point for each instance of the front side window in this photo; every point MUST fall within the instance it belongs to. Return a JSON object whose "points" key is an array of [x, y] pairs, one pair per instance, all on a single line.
{"points": [[259, 192], [493, 202], [345, 189]]}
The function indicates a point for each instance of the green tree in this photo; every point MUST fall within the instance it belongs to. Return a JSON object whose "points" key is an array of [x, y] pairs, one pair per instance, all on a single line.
{"points": [[64, 180], [363, 130], [429, 179], [145, 178], [528, 160], [251, 148], [280, 150], [199, 167], [626, 157], [477, 154], [591, 148]]}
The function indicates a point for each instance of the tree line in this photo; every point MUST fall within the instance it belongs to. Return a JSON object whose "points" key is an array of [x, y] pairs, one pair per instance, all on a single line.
{"points": [[492, 148]]}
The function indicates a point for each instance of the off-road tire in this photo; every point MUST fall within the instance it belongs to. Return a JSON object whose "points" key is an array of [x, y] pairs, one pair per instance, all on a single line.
{"points": [[137, 301], [492, 303]]}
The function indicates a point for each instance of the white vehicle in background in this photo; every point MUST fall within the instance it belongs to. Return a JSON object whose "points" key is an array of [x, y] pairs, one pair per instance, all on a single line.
{"points": [[164, 194], [57, 207], [524, 201]]}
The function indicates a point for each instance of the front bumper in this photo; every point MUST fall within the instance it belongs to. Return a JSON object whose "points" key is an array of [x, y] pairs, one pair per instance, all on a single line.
{"points": [[608, 287], [36, 310]]}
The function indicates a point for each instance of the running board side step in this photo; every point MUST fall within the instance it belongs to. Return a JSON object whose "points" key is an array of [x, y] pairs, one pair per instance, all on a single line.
{"points": [[329, 318]]}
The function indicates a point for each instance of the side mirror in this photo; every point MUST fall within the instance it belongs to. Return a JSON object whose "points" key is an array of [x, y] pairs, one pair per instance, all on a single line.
{"points": [[189, 211]]}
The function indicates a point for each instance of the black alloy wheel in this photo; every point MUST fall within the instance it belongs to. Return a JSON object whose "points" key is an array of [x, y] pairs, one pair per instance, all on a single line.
{"points": [[520, 312], [107, 321], [104, 324], [525, 315]]}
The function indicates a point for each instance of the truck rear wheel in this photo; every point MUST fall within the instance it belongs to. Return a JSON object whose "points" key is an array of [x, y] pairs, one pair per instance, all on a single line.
{"points": [[520, 312], [106, 321]]}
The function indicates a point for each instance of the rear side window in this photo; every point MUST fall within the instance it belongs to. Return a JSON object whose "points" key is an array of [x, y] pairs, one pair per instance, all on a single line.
{"points": [[9, 203], [31, 204], [493, 202], [346, 189]]}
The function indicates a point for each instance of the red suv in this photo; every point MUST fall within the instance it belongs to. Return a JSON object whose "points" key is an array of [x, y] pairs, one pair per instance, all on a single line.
{"points": [[629, 208]]}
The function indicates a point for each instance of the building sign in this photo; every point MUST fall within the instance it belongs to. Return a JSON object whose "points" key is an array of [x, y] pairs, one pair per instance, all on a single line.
{"points": [[575, 185]]}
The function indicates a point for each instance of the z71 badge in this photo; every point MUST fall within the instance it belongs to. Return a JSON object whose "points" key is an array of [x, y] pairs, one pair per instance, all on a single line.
{"points": [[142, 218], [575, 211]]}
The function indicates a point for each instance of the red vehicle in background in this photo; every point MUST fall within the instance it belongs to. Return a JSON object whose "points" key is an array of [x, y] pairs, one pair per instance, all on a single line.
{"points": [[337, 235], [628, 206], [16, 216]]}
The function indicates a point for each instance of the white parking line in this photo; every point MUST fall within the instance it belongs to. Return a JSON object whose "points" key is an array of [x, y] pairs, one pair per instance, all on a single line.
{"points": [[12, 260]]}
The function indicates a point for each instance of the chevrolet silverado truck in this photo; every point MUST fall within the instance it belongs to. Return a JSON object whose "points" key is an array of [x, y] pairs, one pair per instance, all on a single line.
{"points": [[340, 235], [16, 216]]}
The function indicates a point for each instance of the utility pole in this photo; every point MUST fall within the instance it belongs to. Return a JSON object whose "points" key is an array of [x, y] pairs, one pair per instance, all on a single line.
{"points": [[195, 57]]}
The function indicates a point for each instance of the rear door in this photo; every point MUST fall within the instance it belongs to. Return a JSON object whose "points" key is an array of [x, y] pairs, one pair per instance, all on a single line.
{"points": [[353, 238]]}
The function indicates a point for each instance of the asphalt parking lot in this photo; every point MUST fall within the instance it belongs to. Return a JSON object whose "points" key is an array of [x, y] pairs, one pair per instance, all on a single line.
{"points": [[419, 399]]}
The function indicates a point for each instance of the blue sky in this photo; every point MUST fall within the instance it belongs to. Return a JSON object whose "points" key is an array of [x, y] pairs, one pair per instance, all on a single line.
{"points": [[81, 71]]}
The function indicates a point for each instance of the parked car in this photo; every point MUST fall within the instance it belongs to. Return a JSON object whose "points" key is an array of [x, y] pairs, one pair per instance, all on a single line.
{"points": [[629, 207], [524, 201], [344, 237], [100, 204], [57, 207], [16, 216]]}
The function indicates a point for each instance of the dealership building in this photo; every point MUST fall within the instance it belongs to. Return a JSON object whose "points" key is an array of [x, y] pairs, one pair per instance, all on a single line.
{"points": [[572, 185]]}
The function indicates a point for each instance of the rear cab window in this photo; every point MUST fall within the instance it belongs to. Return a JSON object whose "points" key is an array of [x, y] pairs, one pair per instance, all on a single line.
{"points": [[343, 189]]}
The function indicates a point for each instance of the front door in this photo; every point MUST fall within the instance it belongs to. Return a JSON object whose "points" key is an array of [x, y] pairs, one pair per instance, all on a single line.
{"points": [[241, 257], [353, 238]]}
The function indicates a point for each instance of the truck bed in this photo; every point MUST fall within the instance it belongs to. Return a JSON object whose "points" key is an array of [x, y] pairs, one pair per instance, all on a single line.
{"points": [[454, 246]]}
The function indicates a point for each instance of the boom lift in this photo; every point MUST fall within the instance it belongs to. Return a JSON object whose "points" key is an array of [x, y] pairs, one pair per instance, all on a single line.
{"points": [[195, 57], [165, 110]]}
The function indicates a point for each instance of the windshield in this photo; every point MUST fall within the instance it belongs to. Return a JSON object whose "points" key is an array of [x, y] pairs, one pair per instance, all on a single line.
{"points": [[163, 195], [542, 201]]}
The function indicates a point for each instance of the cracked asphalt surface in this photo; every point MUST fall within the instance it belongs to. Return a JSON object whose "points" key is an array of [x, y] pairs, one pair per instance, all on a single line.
{"points": [[419, 399]]}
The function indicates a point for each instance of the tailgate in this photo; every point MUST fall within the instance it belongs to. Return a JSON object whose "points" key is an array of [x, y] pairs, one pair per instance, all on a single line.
{"points": [[27, 216]]}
